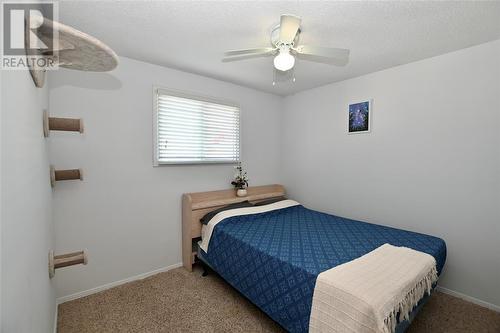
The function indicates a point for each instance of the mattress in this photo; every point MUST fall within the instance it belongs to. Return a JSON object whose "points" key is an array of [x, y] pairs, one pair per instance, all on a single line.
{"points": [[273, 258]]}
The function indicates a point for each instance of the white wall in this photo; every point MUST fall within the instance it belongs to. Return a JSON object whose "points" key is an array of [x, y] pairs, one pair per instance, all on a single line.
{"points": [[28, 298], [1, 200], [126, 212], [431, 163]]}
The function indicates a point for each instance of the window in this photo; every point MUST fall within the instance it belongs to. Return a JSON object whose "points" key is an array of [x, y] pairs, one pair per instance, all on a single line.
{"points": [[191, 130]]}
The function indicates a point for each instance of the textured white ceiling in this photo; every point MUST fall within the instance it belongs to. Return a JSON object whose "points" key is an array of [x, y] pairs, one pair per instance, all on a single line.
{"points": [[192, 36]]}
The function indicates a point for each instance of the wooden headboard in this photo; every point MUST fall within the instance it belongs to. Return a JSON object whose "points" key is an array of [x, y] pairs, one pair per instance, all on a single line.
{"points": [[196, 205]]}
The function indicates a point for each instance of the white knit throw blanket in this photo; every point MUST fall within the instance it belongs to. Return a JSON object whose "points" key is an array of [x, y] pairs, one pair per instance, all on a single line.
{"points": [[366, 294]]}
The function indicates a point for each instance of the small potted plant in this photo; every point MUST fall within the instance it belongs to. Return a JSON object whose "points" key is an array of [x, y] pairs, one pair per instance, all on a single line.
{"points": [[240, 181]]}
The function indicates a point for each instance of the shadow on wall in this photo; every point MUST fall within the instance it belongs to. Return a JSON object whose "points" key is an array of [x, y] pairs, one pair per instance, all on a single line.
{"points": [[89, 80]]}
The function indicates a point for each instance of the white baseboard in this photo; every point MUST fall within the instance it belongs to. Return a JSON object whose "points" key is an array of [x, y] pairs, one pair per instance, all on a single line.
{"points": [[84, 293], [469, 298], [55, 318]]}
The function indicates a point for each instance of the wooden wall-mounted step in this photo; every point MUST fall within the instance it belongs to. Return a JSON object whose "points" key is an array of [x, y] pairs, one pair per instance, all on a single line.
{"points": [[60, 124], [59, 175], [64, 260]]}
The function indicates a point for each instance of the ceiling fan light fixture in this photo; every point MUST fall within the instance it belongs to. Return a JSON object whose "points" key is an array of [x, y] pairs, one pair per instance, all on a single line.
{"points": [[284, 60]]}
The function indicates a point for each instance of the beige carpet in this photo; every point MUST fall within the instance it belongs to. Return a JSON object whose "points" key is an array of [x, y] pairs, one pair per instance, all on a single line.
{"points": [[179, 301]]}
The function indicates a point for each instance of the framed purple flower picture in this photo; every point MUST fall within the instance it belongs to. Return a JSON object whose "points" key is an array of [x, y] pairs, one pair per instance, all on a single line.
{"points": [[359, 119]]}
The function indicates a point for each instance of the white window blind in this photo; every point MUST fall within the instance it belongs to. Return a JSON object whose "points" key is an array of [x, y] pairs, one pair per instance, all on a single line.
{"points": [[195, 130]]}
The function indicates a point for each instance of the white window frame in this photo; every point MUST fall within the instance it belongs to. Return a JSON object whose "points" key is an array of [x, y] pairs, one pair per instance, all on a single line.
{"points": [[160, 90]]}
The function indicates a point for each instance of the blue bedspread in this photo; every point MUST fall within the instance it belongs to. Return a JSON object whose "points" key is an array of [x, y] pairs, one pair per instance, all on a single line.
{"points": [[274, 258]]}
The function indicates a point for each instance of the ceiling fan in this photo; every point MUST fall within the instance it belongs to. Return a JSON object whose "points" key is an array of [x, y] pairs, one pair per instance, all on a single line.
{"points": [[284, 41]]}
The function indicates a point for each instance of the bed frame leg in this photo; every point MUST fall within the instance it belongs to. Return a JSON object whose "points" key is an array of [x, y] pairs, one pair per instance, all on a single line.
{"points": [[205, 269]]}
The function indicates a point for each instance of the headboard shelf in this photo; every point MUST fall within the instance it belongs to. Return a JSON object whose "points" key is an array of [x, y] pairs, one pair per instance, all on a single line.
{"points": [[196, 205], [202, 200]]}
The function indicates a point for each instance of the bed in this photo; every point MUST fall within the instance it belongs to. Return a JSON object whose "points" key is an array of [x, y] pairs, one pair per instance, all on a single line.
{"points": [[273, 258]]}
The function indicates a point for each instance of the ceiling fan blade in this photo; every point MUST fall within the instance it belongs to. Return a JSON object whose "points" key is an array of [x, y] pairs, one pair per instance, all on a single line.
{"points": [[245, 56], [289, 25], [335, 56], [260, 50]]}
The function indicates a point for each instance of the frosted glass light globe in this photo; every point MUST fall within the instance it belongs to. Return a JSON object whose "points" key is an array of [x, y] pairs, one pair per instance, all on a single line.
{"points": [[284, 60]]}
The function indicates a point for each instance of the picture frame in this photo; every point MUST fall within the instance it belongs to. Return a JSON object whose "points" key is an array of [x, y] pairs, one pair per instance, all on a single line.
{"points": [[359, 116]]}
